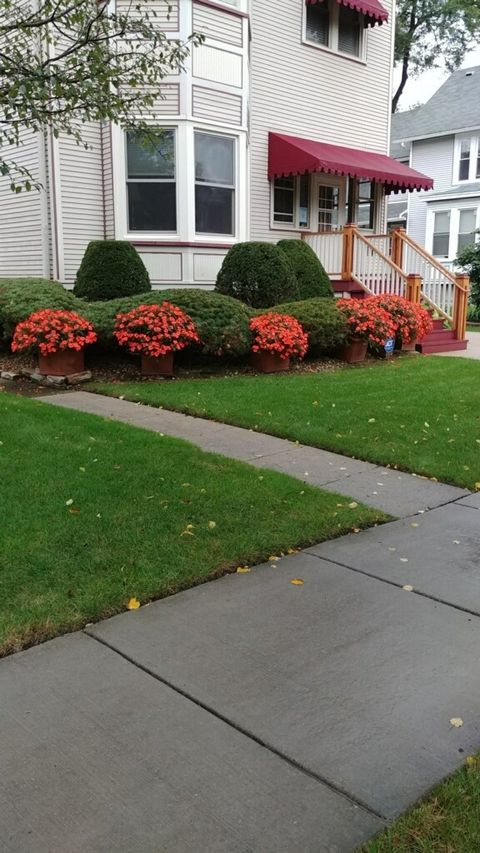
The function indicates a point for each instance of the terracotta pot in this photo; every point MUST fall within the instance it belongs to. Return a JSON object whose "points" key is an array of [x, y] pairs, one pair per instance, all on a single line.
{"points": [[161, 365], [409, 347], [62, 363], [269, 362], [354, 352]]}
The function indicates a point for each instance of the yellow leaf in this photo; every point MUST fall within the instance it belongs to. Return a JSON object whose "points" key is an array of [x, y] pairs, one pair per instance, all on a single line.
{"points": [[133, 604], [188, 530], [70, 501], [456, 722], [477, 486], [407, 588], [353, 505], [470, 760], [371, 420], [297, 582], [272, 559], [243, 570], [415, 524], [212, 525], [292, 550]]}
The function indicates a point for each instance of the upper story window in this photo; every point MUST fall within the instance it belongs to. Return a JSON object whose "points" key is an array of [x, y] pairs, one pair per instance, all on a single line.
{"points": [[214, 184], [468, 159], [337, 27], [151, 181]]}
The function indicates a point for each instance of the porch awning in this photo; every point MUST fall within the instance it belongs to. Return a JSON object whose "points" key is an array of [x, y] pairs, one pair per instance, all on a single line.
{"points": [[372, 9], [290, 155]]}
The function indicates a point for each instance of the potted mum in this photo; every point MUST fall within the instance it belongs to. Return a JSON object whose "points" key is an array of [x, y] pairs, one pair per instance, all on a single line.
{"points": [[368, 324], [59, 337], [276, 339], [412, 321], [157, 332]]}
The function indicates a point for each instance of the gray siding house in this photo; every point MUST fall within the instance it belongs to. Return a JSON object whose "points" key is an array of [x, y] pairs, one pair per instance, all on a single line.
{"points": [[442, 138]]}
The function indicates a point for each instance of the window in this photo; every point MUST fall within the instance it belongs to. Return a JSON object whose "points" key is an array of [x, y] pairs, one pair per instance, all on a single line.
{"points": [[441, 233], [291, 201], [151, 188], [464, 165], [330, 24], [214, 184], [466, 228], [366, 204], [328, 206]]}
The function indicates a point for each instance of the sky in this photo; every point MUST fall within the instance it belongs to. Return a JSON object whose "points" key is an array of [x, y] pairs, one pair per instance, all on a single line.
{"points": [[423, 87]]}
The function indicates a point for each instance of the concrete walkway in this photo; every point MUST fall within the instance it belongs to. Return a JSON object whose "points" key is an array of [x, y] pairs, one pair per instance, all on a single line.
{"points": [[250, 715]]}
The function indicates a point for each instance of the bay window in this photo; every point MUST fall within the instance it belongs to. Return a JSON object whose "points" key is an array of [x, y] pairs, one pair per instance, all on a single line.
{"points": [[151, 181], [214, 184]]}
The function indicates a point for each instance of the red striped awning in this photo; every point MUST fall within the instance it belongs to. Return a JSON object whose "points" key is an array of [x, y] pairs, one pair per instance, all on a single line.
{"points": [[290, 155], [372, 9]]}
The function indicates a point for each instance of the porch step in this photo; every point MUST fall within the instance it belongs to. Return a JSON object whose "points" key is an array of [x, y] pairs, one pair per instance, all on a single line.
{"points": [[351, 287], [440, 340]]}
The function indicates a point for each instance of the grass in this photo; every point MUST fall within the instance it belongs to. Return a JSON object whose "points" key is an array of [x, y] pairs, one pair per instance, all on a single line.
{"points": [[95, 512], [420, 414], [448, 821]]}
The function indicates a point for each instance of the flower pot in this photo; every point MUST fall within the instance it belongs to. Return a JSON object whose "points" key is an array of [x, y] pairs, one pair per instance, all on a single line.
{"points": [[354, 352], [160, 365], [269, 362], [64, 362], [410, 347]]}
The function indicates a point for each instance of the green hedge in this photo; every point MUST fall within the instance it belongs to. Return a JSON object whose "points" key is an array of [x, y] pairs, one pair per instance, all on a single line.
{"points": [[19, 297], [311, 277], [258, 274], [111, 269], [322, 321]]}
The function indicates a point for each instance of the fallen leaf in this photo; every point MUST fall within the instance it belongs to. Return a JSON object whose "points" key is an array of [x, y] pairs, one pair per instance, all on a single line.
{"points": [[74, 510], [404, 559], [82, 469], [133, 604], [392, 549], [272, 559], [212, 525], [243, 570], [69, 502], [456, 541], [407, 588], [297, 582], [188, 530], [353, 505], [415, 524], [371, 420], [470, 760], [292, 550], [456, 722]]}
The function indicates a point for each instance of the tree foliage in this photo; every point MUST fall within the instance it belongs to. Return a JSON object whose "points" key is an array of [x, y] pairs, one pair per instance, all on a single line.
{"points": [[433, 34], [469, 260], [67, 62]]}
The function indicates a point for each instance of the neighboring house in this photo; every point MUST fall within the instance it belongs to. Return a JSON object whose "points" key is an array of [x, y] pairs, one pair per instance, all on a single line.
{"points": [[442, 137], [279, 125]]}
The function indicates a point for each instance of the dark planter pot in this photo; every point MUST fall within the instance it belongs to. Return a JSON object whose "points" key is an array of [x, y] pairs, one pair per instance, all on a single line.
{"points": [[269, 362], [354, 352], [161, 365], [65, 362]]}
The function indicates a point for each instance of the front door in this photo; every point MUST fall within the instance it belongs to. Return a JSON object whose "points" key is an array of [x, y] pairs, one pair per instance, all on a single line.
{"points": [[330, 201]]}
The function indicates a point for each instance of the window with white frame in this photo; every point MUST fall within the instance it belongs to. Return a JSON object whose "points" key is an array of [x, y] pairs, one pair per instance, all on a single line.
{"points": [[468, 159], [151, 181], [214, 184], [466, 228], [291, 201], [333, 25], [441, 233]]}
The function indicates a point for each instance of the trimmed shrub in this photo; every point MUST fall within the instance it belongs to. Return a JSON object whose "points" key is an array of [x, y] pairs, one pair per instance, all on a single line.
{"points": [[311, 277], [111, 269], [20, 297], [322, 321], [258, 274], [469, 260], [222, 322]]}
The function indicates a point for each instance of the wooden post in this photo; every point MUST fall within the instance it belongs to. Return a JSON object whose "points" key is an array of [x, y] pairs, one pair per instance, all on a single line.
{"points": [[460, 305], [397, 246], [414, 287], [347, 255]]}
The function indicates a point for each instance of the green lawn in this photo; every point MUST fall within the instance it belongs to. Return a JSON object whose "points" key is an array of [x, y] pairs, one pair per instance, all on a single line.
{"points": [[448, 821], [421, 414], [95, 512]]}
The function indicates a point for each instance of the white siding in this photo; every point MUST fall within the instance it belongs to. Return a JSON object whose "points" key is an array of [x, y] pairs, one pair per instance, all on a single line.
{"points": [[23, 225], [81, 187], [215, 24], [216, 106], [219, 66], [309, 92], [433, 157], [167, 14], [109, 212]]}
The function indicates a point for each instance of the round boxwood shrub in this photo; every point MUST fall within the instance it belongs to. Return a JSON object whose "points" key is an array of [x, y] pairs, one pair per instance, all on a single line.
{"points": [[258, 274], [321, 319], [20, 297], [311, 276], [222, 322], [111, 269]]}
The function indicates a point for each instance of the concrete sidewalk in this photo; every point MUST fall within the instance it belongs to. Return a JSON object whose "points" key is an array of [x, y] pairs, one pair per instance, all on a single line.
{"points": [[251, 715]]}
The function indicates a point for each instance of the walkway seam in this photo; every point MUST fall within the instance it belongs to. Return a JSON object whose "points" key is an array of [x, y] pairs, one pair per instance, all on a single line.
{"points": [[245, 732]]}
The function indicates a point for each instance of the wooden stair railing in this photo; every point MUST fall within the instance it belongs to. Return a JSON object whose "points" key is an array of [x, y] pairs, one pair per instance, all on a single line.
{"points": [[366, 264]]}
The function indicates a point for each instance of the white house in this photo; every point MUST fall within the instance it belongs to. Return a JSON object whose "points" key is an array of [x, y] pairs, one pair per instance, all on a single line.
{"points": [[443, 138], [278, 126]]}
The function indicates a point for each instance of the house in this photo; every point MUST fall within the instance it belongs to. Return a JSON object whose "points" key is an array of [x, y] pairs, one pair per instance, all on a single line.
{"points": [[443, 138], [254, 141]]}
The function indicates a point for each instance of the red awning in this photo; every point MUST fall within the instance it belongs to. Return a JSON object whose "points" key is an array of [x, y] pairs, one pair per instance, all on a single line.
{"points": [[372, 9], [290, 155]]}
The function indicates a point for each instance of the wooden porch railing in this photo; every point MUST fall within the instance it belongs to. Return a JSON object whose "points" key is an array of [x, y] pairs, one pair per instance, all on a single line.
{"points": [[394, 263]]}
